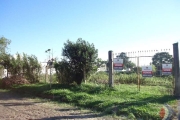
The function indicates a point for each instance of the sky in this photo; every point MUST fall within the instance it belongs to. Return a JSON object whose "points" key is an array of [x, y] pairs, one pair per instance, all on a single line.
{"points": [[33, 26]]}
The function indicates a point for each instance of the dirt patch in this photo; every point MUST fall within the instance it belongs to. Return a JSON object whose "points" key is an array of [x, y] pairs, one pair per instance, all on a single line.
{"points": [[16, 107]]}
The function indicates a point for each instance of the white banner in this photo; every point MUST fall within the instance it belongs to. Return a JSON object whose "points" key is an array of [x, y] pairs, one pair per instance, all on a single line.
{"points": [[117, 64], [147, 71], [166, 69]]}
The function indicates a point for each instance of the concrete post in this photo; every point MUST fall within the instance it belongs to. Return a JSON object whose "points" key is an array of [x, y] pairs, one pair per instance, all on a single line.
{"points": [[176, 69], [46, 74], [110, 58]]}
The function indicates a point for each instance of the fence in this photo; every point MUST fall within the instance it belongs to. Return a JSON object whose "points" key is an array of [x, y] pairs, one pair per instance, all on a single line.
{"points": [[144, 58]]}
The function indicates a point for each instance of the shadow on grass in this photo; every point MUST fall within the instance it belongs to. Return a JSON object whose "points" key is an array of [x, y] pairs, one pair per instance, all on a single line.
{"points": [[39, 89], [9, 95], [73, 117], [66, 109], [19, 104]]}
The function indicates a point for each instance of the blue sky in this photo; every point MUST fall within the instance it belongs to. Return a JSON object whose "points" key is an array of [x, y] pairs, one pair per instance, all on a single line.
{"points": [[33, 26]]}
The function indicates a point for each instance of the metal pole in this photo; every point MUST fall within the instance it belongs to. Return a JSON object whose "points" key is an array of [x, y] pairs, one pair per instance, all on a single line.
{"points": [[50, 77], [50, 70], [110, 57], [45, 73]]}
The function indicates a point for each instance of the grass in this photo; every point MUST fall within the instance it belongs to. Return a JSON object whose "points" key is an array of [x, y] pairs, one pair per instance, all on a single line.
{"points": [[122, 99], [102, 77]]}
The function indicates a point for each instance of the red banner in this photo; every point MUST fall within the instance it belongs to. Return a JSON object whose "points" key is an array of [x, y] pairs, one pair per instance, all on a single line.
{"points": [[118, 65]]}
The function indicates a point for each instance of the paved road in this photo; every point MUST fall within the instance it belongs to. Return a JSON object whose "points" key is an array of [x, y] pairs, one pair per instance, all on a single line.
{"points": [[14, 107]]}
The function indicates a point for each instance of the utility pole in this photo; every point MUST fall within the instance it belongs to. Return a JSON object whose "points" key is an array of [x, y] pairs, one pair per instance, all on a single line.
{"points": [[50, 75], [45, 73]]}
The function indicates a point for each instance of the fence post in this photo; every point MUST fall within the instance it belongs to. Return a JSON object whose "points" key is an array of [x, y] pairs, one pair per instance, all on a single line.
{"points": [[176, 69], [138, 75], [110, 57]]}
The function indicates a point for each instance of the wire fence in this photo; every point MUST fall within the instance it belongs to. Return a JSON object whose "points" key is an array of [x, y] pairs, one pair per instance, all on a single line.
{"points": [[144, 57]]}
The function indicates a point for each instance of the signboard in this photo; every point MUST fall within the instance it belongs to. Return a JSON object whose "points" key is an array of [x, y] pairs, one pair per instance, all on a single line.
{"points": [[118, 64], [147, 71], [166, 69]]}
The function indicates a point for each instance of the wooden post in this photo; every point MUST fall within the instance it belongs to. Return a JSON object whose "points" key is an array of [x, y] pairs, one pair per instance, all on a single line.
{"points": [[138, 75], [110, 57], [176, 69]]}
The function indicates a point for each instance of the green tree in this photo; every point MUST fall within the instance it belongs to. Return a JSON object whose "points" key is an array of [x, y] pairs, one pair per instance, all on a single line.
{"points": [[81, 57], [5, 61], [135, 69], [4, 42], [64, 73], [126, 62], [160, 58], [99, 62], [32, 68], [16, 65], [26, 66]]}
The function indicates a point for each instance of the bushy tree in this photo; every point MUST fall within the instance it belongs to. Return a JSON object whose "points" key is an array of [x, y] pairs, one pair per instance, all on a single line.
{"points": [[81, 56], [161, 58], [4, 42], [31, 67], [126, 62], [64, 73], [99, 62]]}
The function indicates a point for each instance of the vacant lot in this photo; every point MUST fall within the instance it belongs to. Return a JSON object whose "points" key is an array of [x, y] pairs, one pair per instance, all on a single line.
{"points": [[122, 100]]}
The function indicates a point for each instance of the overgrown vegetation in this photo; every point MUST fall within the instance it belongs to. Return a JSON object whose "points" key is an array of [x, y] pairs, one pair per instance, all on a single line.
{"points": [[121, 100], [119, 78], [19, 65], [27, 66], [81, 63]]}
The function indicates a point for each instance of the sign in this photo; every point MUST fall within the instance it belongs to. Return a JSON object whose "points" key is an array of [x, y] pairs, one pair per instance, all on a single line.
{"points": [[147, 71], [166, 69], [118, 64]]}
